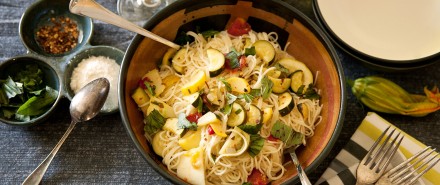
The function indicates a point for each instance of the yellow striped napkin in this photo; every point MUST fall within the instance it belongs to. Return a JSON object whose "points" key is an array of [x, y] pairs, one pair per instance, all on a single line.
{"points": [[342, 169]]}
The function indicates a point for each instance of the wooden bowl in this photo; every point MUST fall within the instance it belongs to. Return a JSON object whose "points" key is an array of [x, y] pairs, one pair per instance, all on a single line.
{"points": [[307, 44]]}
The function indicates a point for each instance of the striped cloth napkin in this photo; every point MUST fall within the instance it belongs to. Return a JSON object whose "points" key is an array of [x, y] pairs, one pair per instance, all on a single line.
{"points": [[342, 169]]}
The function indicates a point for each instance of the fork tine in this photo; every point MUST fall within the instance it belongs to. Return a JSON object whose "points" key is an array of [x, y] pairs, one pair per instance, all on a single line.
{"points": [[406, 179], [389, 153], [385, 152], [400, 169], [368, 157]]}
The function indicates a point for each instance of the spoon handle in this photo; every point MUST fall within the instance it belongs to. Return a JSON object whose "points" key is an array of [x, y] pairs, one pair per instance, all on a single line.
{"points": [[94, 10], [36, 176], [301, 173]]}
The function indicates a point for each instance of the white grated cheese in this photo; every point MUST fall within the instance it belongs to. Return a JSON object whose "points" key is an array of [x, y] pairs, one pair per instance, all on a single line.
{"points": [[96, 67]]}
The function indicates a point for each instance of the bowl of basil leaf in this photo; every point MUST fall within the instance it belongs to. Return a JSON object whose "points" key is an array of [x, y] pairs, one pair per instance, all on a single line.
{"points": [[29, 90]]}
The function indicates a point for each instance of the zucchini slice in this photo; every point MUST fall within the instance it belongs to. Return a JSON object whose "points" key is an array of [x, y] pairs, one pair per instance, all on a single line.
{"points": [[196, 84], [286, 104], [168, 56], [294, 65], [280, 85], [296, 80], [179, 58], [254, 115], [264, 50], [216, 62], [192, 98], [239, 85], [267, 115], [171, 125], [237, 116]]}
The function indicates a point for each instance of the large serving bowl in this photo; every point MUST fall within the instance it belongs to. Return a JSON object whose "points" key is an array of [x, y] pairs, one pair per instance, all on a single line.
{"points": [[307, 44]]}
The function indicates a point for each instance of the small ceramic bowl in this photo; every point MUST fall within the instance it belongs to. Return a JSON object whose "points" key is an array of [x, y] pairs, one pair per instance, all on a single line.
{"points": [[106, 51], [40, 14], [307, 43], [50, 78]]}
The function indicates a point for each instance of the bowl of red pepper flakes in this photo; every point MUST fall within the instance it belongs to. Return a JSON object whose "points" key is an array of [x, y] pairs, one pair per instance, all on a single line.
{"points": [[48, 28]]}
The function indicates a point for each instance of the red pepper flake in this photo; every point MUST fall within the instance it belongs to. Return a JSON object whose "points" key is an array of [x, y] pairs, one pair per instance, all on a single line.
{"points": [[59, 37]]}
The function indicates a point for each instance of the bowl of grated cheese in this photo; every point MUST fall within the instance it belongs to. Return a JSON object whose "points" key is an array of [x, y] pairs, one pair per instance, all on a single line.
{"points": [[92, 63]]}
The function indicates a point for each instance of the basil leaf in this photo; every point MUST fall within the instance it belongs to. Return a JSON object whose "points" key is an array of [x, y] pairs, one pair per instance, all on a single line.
{"points": [[209, 33], [266, 87], [183, 123], [251, 129], [11, 88], [154, 122], [232, 57], [250, 51], [286, 134], [31, 77], [37, 105], [284, 71], [256, 144], [227, 85]]}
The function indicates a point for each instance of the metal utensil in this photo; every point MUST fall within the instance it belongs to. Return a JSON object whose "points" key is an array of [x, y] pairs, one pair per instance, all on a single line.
{"points": [[406, 173], [85, 105], [374, 164], [301, 173], [94, 10]]}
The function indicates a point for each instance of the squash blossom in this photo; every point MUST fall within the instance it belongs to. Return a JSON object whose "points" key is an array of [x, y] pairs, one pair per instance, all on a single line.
{"points": [[385, 96]]}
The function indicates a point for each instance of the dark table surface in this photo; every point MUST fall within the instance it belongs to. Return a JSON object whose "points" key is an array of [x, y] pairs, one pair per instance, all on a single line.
{"points": [[100, 152]]}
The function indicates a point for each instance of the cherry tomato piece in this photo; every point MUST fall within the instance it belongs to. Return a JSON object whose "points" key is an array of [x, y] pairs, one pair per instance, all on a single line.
{"points": [[239, 27], [257, 178]]}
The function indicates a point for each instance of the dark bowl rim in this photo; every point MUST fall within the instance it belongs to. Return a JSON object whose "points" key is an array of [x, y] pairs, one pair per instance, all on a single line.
{"points": [[49, 112], [155, 19], [372, 61]]}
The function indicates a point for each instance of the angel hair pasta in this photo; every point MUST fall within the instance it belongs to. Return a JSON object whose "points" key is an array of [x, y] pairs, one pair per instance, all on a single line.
{"points": [[222, 109]]}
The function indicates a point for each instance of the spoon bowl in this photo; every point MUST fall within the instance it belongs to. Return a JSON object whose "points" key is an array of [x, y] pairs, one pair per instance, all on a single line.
{"points": [[85, 105]]}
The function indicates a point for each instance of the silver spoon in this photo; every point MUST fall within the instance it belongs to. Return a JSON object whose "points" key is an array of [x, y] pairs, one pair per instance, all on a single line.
{"points": [[85, 105], [94, 10]]}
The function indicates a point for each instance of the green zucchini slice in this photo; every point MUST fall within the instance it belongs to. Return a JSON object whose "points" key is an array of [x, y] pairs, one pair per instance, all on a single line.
{"points": [[280, 85], [237, 116], [179, 57], [264, 50], [254, 115], [216, 62], [286, 104], [296, 80], [294, 65]]}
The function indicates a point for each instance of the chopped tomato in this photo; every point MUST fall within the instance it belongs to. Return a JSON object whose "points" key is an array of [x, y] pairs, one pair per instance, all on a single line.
{"points": [[194, 117], [210, 130], [271, 138], [257, 178], [239, 27], [243, 62]]}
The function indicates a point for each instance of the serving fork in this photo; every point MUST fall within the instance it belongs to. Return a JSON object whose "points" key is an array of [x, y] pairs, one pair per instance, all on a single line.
{"points": [[374, 164], [405, 173]]}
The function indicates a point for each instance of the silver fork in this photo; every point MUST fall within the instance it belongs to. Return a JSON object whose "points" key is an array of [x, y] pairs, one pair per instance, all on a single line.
{"points": [[374, 164], [405, 173]]}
